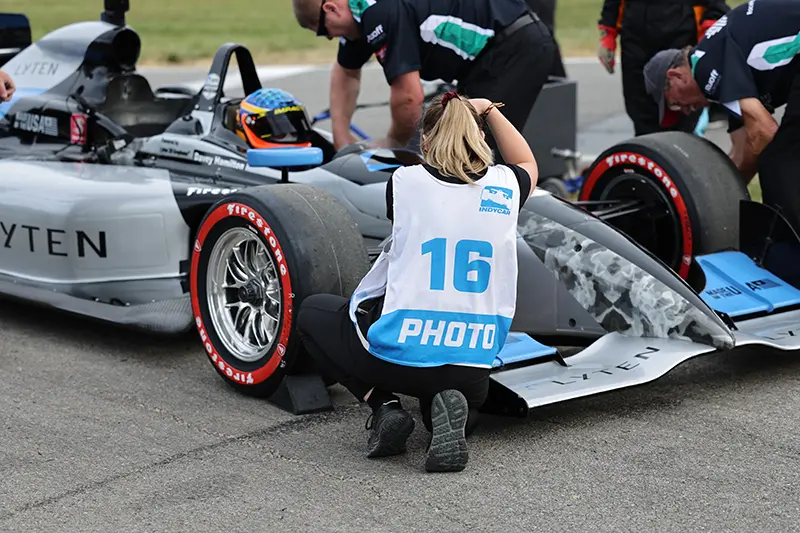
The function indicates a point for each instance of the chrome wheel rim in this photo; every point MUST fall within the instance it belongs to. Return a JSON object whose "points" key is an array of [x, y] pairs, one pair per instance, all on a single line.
{"points": [[244, 294]]}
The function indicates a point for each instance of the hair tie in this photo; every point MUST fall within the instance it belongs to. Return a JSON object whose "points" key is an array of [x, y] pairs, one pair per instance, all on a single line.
{"points": [[448, 96]]}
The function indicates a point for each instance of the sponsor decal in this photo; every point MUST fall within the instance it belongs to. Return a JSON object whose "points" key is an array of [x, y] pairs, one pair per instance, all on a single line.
{"points": [[52, 241], [634, 159], [711, 84], [235, 209], [717, 27], [625, 366], [77, 129], [194, 191], [288, 109], [37, 68], [210, 87], [380, 55], [36, 123], [375, 34], [750, 6], [731, 290], [496, 200], [216, 160]]}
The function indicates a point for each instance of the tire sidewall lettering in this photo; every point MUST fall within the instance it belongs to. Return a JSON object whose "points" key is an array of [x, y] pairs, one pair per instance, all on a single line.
{"points": [[275, 359], [629, 158]]}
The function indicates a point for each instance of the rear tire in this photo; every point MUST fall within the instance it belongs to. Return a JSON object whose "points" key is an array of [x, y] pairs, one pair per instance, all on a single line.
{"points": [[555, 186], [694, 187], [277, 244]]}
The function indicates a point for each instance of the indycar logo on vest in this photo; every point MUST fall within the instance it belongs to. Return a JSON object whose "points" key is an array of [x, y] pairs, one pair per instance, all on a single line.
{"points": [[35, 123], [496, 200]]}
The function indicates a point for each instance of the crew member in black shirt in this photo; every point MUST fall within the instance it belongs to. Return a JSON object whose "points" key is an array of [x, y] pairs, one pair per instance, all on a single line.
{"points": [[646, 27], [748, 62], [497, 50]]}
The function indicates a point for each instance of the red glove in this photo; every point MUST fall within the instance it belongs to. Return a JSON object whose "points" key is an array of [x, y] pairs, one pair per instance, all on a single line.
{"points": [[606, 52], [704, 27]]}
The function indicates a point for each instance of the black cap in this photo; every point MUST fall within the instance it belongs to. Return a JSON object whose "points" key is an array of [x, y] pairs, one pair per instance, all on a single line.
{"points": [[655, 78]]}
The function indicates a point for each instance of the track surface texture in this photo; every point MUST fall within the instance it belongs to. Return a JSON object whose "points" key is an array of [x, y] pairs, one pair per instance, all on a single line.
{"points": [[107, 430]]}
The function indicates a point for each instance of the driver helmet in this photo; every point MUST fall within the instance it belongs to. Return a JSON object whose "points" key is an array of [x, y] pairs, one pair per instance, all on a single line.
{"points": [[271, 118]]}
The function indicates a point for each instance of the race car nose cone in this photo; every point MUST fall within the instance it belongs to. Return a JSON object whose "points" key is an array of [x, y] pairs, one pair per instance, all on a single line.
{"points": [[251, 293]]}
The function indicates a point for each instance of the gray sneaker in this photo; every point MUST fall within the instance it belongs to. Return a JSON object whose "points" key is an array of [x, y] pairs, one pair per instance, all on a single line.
{"points": [[447, 451]]}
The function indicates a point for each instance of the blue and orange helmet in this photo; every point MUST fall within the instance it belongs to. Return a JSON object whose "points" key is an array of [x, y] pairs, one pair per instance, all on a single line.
{"points": [[271, 118]]}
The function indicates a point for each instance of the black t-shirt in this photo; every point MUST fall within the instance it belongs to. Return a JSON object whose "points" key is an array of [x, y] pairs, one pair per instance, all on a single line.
{"points": [[750, 53], [523, 179], [439, 38]]}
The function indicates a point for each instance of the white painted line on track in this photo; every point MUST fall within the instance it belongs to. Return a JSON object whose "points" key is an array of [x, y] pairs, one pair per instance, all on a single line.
{"points": [[275, 72], [232, 79]]}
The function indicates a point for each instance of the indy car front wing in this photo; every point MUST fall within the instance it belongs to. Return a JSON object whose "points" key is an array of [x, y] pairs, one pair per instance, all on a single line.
{"points": [[764, 308]]}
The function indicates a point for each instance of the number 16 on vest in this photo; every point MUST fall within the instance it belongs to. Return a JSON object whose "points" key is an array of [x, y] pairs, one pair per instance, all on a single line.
{"points": [[469, 275]]}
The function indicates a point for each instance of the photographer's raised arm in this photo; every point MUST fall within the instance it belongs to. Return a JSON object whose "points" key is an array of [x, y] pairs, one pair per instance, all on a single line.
{"points": [[512, 145]]}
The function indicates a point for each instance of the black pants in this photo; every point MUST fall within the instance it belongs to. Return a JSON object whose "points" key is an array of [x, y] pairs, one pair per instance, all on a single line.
{"points": [[648, 28], [546, 9], [330, 337], [778, 164], [513, 71]]}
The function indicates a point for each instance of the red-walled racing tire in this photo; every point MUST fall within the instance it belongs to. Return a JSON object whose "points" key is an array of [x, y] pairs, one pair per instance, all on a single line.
{"points": [[674, 193], [258, 253]]}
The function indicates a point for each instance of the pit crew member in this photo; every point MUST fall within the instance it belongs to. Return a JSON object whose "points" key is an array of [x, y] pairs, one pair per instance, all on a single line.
{"points": [[748, 62], [546, 9], [7, 87], [497, 50], [430, 316], [644, 28]]}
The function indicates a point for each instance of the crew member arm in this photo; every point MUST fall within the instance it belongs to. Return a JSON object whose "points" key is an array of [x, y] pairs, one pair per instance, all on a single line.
{"points": [[747, 142], [345, 86], [611, 13], [392, 34], [406, 107]]}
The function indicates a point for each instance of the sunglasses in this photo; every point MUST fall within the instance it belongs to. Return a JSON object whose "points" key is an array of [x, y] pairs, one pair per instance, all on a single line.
{"points": [[322, 31]]}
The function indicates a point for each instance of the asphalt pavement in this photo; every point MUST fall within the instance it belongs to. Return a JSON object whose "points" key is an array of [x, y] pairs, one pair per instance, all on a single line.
{"points": [[107, 430]]}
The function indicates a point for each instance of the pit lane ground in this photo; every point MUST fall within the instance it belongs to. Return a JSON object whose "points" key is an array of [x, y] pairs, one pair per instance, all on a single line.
{"points": [[107, 430]]}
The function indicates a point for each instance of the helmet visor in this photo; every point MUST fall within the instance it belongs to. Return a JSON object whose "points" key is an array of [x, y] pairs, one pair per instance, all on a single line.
{"points": [[283, 127]]}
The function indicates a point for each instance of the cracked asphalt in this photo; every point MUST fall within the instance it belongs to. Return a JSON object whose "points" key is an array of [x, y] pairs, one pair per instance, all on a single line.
{"points": [[110, 430]]}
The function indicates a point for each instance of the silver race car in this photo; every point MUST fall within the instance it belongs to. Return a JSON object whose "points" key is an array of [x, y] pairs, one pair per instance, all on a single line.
{"points": [[145, 209]]}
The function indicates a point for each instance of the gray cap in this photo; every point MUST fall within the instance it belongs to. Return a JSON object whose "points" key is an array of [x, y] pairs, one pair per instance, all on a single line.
{"points": [[655, 77]]}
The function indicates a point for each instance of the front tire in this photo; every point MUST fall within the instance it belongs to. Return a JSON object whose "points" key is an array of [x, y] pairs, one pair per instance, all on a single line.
{"points": [[690, 189], [257, 255]]}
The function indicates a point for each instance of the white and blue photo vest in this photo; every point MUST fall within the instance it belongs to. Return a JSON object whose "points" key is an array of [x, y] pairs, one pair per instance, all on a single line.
{"points": [[450, 276]]}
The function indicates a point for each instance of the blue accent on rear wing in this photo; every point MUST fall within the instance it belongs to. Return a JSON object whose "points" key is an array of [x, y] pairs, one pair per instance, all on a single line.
{"points": [[521, 347], [737, 286]]}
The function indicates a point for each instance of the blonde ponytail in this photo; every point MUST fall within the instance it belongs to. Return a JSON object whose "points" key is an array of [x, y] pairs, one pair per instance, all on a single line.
{"points": [[452, 142]]}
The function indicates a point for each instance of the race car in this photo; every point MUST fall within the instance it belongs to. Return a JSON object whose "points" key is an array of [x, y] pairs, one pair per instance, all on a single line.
{"points": [[147, 209]]}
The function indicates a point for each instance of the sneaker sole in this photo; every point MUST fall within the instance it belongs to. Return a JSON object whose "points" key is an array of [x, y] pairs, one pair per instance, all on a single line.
{"points": [[401, 428], [448, 449]]}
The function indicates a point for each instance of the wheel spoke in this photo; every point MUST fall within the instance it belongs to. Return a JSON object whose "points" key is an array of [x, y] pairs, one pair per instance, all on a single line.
{"points": [[249, 330], [265, 326], [246, 328], [272, 292], [239, 276]]}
